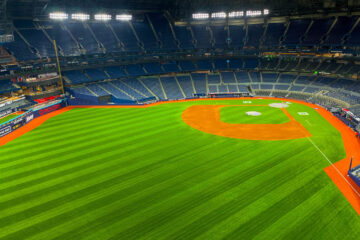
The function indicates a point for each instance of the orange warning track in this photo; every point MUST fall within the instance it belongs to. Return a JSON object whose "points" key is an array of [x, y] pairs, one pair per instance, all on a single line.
{"points": [[337, 172], [206, 118]]}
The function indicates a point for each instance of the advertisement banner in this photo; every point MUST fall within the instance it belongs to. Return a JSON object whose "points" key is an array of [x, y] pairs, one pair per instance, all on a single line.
{"points": [[5, 130], [27, 117], [48, 109]]}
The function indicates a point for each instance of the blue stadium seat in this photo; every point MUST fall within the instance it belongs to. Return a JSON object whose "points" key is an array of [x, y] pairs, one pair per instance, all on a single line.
{"points": [[96, 88], [242, 77], [84, 37], [135, 84], [183, 34], [220, 36], [186, 85], [114, 90], [124, 87], [19, 49], [187, 66], [269, 77], [199, 82], [255, 33], [213, 78], [76, 77], [104, 34], [35, 37], [135, 70], [171, 67], [286, 78], [237, 35], [296, 30], [228, 77], [163, 31], [202, 36], [281, 87], [96, 74], [126, 36], [236, 63], [342, 27], [171, 88], [153, 68], [273, 34], [317, 31], [154, 85], [115, 72], [251, 63], [204, 65], [62, 38], [146, 35], [220, 64], [354, 37], [255, 76]]}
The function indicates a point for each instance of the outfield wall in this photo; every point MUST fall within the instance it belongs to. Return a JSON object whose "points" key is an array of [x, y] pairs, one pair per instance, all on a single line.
{"points": [[354, 174], [19, 121]]}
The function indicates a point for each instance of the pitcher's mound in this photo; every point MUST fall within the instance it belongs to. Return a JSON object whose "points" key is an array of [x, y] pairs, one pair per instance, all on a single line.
{"points": [[279, 105], [253, 113]]}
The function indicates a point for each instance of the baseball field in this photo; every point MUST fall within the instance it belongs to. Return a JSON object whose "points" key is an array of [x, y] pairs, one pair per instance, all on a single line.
{"points": [[157, 173]]}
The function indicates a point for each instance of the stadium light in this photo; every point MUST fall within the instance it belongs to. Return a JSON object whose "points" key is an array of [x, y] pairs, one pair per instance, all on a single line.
{"points": [[200, 16], [236, 14], [102, 17], [251, 13], [58, 15], [218, 15], [80, 16], [266, 11], [123, 17]]}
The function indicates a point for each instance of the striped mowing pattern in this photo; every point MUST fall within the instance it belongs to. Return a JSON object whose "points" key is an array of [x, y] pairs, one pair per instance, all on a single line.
{"points": [[145, 174]]}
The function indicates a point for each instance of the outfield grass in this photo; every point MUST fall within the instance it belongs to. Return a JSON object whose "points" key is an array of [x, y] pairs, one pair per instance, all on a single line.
{"points": [[237, 114], [144, 174]]}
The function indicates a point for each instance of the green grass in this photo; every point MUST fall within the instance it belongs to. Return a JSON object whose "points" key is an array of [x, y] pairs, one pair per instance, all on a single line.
{"points": [[7, 118], [237, 114], [145, 174]]}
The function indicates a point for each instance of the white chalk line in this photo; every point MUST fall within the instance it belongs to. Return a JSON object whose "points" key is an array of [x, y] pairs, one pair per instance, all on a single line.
{"points": [[352, 187]]}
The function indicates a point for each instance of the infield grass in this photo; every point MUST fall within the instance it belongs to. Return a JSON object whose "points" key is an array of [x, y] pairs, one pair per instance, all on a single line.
{"points": [[144, 174], [238, 114]]}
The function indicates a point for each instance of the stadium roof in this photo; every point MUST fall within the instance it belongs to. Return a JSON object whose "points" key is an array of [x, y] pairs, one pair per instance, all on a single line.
{"points": [[179, 8]]}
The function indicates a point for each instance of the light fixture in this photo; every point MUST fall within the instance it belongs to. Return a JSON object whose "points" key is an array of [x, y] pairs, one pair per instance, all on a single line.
{"points": [[236, 14], [218, 15], [102, 17], [123, 17], [58, 15], [80, 16], [200, 16], [251, 13]]}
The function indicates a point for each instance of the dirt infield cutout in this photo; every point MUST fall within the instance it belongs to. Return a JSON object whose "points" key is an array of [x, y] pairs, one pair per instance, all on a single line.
{"points": [[206, 118]]}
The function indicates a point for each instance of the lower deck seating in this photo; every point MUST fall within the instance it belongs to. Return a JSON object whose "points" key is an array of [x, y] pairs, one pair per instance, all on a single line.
{"points": [[184, 85]]}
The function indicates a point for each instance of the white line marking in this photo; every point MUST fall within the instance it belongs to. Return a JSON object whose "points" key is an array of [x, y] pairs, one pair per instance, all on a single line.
{"points": [[352, 187], [308, 122]]}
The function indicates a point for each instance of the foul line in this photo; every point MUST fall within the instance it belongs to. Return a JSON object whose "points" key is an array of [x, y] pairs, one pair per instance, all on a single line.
{"points": [[352, 187]]}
